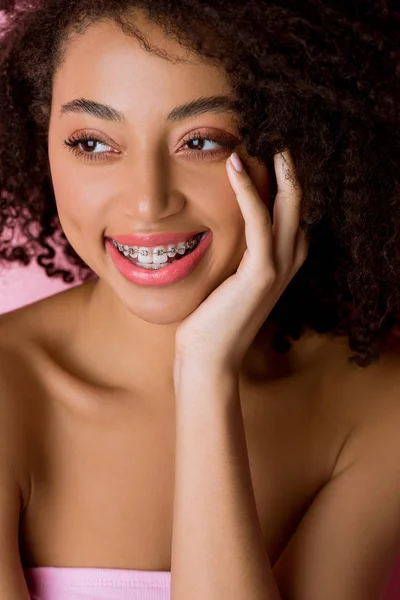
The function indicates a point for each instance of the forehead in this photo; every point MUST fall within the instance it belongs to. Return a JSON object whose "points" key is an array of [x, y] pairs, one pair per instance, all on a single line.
{"points": [[111, 66]]}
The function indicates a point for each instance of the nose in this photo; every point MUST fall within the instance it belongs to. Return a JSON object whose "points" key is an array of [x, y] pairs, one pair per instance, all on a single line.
{"points": [[150, 195]]}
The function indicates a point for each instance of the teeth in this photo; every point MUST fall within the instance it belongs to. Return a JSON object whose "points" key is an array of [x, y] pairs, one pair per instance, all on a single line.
{"points": [[145, 255], [181, 248], [158, 255]]}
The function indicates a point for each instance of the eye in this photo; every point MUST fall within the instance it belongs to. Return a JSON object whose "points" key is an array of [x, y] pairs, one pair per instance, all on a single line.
{"points": [[207, 146], [91, 147], [203, 144]]}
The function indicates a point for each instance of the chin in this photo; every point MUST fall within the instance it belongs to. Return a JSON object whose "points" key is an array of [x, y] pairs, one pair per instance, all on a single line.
{"points": [[156, 307]]}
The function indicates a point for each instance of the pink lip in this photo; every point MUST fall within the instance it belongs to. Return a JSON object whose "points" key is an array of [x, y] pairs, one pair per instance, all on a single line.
{"points": [[155, 239], [173, 273]]}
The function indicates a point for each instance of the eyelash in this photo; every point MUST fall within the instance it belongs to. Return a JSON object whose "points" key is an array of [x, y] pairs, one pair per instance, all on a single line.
{"points": [[73, 143]]}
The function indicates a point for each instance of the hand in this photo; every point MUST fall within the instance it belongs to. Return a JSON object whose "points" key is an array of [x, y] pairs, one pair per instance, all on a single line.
{"points": [[218, 334]]}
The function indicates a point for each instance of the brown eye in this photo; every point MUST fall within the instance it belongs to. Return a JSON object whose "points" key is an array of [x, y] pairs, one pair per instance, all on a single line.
{"points": [[202, 146], [87, 147]]}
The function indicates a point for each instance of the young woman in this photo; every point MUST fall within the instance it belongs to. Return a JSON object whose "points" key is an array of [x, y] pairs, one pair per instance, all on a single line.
{"points": [[214, 412]]}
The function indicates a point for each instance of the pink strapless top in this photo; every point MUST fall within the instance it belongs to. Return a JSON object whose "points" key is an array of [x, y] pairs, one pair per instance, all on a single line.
{"points": [[67, 583]]}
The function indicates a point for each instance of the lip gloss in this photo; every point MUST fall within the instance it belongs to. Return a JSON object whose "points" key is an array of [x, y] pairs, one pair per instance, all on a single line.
{"points": [[173, 273]]}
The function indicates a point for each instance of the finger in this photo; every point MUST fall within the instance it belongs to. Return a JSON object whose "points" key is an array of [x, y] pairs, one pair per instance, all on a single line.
{"points": [[286, 210], [258, 227]]}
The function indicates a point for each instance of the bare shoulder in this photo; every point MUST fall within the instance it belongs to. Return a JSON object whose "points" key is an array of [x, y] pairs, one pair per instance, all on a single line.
{"points": [[368, 401], [46, 319], [24, 334], [17, 383], [27, 333]]}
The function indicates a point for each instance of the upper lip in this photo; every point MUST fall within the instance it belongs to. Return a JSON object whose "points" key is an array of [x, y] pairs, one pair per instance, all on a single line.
{"points": [[154, 239]]}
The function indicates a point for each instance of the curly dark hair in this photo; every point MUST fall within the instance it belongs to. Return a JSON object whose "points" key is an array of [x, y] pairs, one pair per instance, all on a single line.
{"points": [[319, 77]]}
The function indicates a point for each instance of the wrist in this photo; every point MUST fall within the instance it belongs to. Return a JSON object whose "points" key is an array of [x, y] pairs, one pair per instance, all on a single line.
{"points": [[194, 379], [188, 367]]}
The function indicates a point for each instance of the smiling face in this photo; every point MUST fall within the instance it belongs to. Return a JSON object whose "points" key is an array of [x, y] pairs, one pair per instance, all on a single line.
{"points": [[152, 167]]}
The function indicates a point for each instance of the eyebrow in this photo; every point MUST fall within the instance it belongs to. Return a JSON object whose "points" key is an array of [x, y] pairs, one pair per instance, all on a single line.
{"points": [[215, 104]]}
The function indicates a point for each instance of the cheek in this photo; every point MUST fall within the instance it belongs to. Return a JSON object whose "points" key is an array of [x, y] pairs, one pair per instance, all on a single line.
{"points": [[214, 197], [78, 197]]}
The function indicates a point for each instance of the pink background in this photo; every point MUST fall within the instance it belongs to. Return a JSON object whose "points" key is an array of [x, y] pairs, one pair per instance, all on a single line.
{"points": [[23, 285]]}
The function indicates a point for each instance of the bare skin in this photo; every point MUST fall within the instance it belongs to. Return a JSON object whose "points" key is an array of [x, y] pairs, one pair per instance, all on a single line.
{"points": [[88, 387], [98, 460]]}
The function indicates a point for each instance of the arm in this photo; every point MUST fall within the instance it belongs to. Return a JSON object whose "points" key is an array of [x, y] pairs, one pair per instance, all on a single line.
{"points": [[12, 581], [217, 548]]}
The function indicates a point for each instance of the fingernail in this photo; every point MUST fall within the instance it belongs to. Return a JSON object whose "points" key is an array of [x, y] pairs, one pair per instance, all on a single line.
{"points": [[236, 162]]}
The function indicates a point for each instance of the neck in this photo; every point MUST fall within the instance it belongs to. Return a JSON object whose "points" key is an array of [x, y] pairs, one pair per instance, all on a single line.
{"points": [[123, 352]]}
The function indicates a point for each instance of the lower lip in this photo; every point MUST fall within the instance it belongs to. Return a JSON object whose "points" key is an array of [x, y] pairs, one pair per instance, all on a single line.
{"points": [[174, 273]]}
